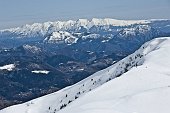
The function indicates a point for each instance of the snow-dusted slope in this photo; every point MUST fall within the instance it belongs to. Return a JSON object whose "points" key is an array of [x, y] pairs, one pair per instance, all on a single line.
{"points": [[143, 89], [32, 49], [61, 37]]}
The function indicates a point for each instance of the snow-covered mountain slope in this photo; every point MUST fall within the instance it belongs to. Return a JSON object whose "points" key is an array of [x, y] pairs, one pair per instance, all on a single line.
{"points": [[144, 88], [61, 37]]}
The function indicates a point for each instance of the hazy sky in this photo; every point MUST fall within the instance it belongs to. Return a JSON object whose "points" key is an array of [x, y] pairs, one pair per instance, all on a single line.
{"points": [[19, 12]]}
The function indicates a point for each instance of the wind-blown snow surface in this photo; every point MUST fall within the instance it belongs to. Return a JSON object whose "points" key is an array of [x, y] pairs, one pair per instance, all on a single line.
{"points": [[145, 88]]}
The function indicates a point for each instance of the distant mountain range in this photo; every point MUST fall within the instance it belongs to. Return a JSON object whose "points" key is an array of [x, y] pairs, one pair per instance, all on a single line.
{"points": [[41, 58]]}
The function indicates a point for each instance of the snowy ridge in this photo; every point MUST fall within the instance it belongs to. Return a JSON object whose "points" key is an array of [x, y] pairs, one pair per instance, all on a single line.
{"points": [[56, 101], [71, 32], [42, 29], [132, 31], [61, 37]]}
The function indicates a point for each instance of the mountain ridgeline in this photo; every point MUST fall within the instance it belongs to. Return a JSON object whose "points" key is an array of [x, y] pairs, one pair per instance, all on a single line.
{"points": [[41, 58]]}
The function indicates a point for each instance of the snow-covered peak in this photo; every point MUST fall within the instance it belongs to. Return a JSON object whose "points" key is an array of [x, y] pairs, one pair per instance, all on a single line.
{"points": [[82, 22], [144, 81], [142, 29], [61, 37], [114, 22]]}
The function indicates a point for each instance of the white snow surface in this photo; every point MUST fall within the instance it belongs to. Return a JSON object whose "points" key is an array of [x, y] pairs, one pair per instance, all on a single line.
{"points": [[8, 67], [40, 71], [144, 88]]}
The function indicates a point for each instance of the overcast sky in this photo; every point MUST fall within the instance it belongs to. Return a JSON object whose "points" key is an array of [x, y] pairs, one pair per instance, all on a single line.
{"points": [[19, 12]]}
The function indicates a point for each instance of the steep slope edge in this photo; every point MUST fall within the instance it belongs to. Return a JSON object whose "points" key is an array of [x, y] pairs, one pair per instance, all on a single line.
{"points": [[143, 89]]}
